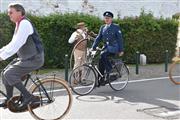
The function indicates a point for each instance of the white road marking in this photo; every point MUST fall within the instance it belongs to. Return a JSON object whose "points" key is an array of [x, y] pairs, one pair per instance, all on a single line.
{"points": [[151, 79], [131, 81], [170, 113]]}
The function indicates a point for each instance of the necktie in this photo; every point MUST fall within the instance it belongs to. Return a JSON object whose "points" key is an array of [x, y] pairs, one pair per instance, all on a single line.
{"points": [[105, 28]]}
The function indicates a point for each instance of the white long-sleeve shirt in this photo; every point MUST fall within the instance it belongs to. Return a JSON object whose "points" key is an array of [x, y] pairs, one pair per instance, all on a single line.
{"points": [[75, 34], [19, 39]]}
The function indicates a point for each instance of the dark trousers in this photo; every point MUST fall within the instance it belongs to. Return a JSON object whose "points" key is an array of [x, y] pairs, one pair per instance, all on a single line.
{"points": [[11, 75], [104, 63]]}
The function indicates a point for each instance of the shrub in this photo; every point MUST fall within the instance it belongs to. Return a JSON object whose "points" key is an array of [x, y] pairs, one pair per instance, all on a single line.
{"points": [[145, 33]]}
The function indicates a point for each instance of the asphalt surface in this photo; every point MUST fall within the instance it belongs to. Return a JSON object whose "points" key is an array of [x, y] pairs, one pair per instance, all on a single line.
{"points": [[142, 99], [149, 95]]}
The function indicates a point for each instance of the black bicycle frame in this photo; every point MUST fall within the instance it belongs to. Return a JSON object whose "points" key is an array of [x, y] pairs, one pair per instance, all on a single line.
{"points": [[35, 82], [41, 87], [3, 93]]}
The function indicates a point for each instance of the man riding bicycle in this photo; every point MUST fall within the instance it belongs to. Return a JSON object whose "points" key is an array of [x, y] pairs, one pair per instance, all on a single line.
{"points": [[111, 34], [26, 43]]}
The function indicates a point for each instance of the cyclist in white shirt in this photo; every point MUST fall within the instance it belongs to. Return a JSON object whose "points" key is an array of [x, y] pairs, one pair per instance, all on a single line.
{"points": [[28, 47]]}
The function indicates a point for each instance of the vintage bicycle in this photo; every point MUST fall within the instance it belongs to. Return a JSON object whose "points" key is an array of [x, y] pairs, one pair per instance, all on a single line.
{"points": [[55, 98], [84, 78]]}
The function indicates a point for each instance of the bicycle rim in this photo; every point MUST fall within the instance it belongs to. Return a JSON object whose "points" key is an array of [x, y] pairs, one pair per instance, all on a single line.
{"points": [[78, 44], [174, 72], [56, 105], [82, 80], [119, 77]]}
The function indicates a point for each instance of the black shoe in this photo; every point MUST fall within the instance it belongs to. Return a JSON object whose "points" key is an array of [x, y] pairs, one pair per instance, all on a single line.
{"points": [[4, 104], [113, 77], [102, 82], [30, 100]]}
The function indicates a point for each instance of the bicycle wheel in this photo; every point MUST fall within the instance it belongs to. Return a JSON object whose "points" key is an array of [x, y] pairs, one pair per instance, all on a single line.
{"points": [[174, 72], [55, 99], [119, 76], [82, 79], [88, 46]]}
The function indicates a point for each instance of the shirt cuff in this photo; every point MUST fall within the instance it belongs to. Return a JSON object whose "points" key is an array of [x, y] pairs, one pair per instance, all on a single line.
{"points": [[4, 56]]}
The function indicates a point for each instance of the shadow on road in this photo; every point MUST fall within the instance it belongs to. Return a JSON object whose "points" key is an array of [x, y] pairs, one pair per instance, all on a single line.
{"points": [[158, 93]]}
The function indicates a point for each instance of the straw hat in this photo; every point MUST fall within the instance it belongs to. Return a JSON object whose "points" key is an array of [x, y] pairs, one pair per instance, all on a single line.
{"points": [[80, 24]]}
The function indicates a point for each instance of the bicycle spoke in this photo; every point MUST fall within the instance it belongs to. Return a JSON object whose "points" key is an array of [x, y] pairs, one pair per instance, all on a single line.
{"points": [[59, 102], [85, 82], [119, 76]]}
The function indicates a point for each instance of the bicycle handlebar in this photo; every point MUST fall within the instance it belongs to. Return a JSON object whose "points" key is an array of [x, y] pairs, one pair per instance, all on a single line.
{"points": [[100, 49]]}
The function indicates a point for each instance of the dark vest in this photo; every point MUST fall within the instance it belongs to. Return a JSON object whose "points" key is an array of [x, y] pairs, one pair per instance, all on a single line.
{"points": [[32, 47]]}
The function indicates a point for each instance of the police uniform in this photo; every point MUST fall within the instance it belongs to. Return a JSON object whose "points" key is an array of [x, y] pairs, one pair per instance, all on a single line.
{"points": [[112, 36]]}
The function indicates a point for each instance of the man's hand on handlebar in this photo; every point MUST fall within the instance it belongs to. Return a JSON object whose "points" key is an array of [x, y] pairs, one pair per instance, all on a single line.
{"points": [[121, 53], [91, 49], [96, 49]]}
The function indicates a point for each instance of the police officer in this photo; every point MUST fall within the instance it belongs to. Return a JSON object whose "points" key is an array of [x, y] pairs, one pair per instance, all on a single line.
{"points": [[111, 34]]}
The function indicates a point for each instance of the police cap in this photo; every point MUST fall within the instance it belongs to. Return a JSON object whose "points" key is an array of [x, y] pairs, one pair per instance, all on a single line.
{"points": [[108, 14]]}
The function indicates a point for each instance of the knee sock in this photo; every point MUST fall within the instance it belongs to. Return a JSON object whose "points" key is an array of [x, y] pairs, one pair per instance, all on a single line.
{"points": [[22, 89], [9, 91]]}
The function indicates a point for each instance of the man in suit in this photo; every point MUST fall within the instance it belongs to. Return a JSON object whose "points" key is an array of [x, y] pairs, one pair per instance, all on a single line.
{"points": [[78, 35], [111, 34]]}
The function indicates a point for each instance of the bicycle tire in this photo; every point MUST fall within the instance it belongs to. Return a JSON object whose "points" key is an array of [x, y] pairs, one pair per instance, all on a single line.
{"points": [[63, 84], [76, 85], [115, 84], [171, 69], [72, 53]]}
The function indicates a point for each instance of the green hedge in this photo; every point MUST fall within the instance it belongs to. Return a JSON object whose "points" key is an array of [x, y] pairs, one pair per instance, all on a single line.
{"points": [[144, 33], [150, 36]]}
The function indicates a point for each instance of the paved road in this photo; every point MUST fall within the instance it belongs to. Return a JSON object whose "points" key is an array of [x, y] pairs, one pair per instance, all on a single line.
{"points": [[145, 99]]}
